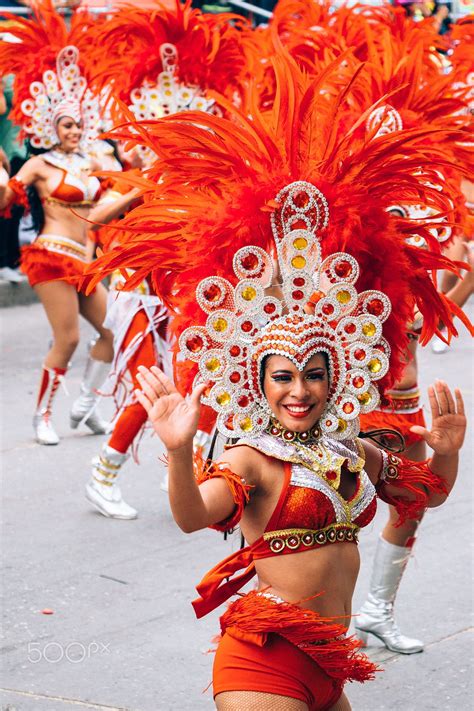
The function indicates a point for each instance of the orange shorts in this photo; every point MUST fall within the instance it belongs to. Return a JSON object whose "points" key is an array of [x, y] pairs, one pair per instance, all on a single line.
{"points": [[52, 257], [399, 421], [277, 667]]}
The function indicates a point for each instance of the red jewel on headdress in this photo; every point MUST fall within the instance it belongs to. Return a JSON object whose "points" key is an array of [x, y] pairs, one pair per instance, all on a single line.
{"points": [[328, 309], [234, 377], [343, 269], [297, 294], [246, 326], [298, 281], [194, 344], [350, 328], [243, 401], [299, 225], [235, 351], [375, 307], [250, 262], [358, 381], [359, 354], [212, 293], [269, 308], [348, 408]]}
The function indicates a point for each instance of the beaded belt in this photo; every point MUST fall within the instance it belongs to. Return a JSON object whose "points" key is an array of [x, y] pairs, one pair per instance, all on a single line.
{"points": [[63, 245], [294, 538], [407, 401]]}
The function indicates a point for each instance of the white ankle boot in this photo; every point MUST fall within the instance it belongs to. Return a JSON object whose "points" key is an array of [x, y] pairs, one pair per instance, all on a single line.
{"points": [[376, 614], [44, 430], [84, 408], [102, 490]]}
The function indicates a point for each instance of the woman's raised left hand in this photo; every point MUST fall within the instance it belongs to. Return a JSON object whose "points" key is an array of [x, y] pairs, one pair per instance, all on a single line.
{"points": [[448, 421]]}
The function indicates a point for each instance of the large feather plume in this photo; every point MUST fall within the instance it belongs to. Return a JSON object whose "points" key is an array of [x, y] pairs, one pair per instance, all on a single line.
{"points": [[214, 186], [213, 50]]}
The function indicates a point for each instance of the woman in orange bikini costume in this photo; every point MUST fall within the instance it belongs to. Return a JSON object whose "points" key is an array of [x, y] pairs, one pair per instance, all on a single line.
{"points": [[288, 358], [61, 116]]}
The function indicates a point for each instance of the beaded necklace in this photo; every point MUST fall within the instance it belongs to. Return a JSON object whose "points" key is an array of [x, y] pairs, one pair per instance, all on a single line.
{"points": [[304, 441]]}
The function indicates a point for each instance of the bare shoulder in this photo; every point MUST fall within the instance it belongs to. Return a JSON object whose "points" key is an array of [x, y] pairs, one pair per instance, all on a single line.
{"points": [[35, 168], [245, 461], [373, 460]]}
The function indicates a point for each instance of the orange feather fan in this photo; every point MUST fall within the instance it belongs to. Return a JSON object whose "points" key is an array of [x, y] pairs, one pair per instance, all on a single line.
{"points": [[219, 179]]}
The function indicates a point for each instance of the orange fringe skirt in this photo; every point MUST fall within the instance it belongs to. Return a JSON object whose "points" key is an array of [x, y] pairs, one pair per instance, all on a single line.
{"points": [[52, 257], [273, 646]]}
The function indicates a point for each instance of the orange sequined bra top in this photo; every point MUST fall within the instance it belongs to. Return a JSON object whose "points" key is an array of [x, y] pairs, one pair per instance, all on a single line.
{"points": [[73, 190], [310, 512]]}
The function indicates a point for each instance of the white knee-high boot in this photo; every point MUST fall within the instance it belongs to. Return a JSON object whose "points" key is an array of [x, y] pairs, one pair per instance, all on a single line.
{"points": [[50, 381], [376, 614]]}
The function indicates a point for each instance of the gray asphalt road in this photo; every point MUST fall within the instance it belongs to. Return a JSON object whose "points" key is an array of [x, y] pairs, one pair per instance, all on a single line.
{"points": [[122, 634]]}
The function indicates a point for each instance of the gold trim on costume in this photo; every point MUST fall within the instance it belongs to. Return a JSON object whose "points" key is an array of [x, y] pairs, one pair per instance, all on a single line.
{"points": [[62, 245]]}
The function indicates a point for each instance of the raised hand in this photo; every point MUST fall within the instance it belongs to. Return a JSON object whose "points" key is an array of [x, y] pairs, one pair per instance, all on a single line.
{"points": [[174, 418], [448, 421]]}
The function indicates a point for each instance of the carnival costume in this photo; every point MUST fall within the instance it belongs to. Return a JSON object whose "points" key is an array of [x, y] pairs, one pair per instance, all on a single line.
{"points": [[49, 84], [238, 197], [175, 56]]}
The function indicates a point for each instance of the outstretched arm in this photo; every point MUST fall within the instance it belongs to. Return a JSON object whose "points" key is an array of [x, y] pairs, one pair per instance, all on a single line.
{"points": [[426, 484], [175, 420]]}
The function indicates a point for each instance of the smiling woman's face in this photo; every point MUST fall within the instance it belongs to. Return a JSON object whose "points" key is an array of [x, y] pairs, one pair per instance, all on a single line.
{"points": [[69, 133], [297, 399]]}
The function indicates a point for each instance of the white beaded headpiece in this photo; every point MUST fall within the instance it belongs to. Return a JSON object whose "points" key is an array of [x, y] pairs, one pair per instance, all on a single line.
{"points": [[61, 93], [245, 324], [168, 96]]}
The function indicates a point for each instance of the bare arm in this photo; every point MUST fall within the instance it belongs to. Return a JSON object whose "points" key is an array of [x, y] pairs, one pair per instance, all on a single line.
{"points": [[175, 420], [106, 211], [445, 439], [28, 174]]}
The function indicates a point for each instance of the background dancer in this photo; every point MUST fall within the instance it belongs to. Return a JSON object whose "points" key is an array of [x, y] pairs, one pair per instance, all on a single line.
{"points": [[60, 117]]}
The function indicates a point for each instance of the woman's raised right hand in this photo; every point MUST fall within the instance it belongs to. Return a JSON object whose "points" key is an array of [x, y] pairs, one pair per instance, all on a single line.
{"points": [[174, 418]]}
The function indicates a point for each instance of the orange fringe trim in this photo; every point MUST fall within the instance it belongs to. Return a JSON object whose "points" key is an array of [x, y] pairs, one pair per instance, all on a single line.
{"points": [[204, 471], [20, 198], [40, 265], [415, 478], [394, 421], [253, 616]]}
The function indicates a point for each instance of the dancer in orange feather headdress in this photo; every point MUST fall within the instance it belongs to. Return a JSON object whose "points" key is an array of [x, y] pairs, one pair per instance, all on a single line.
{"points": [[60, 116], [175, 56], [263, 236]]}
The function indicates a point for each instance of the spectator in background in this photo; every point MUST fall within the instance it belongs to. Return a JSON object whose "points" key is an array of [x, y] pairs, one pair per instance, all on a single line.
{"points": [[438, 13], [12, 158]]}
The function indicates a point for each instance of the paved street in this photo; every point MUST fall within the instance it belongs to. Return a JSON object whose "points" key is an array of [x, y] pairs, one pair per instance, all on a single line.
{"points": [[123, 635]]}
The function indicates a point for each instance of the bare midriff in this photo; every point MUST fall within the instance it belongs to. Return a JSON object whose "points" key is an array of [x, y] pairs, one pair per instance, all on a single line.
{"points": [[60, 220], [322, 580]]}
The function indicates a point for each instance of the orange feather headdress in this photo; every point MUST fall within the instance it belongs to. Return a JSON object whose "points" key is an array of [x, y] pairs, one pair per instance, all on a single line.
{"points": [[222, 180], [47, 59], [200, 51]]}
